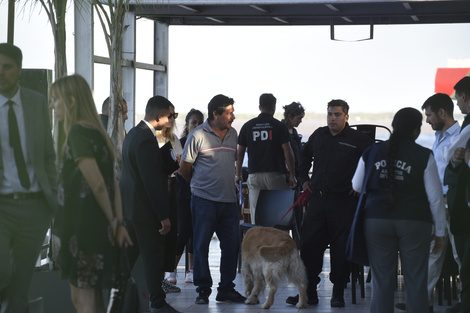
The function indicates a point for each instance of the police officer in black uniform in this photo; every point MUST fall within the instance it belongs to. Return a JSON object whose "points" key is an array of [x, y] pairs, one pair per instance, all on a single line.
{"points": [[335, 150], [271, 164]]}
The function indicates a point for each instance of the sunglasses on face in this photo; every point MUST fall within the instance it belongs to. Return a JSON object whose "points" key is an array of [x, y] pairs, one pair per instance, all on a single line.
{"points": [[173, 115]]}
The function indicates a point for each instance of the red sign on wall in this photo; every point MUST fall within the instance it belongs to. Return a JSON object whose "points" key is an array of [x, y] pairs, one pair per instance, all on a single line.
{"points": [[446, 78]]}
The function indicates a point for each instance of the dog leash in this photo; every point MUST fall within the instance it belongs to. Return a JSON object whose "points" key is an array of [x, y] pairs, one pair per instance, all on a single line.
{"points": [[302, 199]]}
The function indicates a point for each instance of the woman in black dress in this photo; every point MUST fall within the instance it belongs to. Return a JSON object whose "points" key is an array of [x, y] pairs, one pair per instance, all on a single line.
{"points": [[90, 224]]}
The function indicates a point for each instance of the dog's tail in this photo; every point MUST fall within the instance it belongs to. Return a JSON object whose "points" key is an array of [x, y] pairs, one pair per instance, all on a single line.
{"points": [[297, 274], [273, 253]]}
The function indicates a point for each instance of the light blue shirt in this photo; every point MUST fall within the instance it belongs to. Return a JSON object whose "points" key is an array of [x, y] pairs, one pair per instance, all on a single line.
{"points": [[440, 147], [11, 181]]}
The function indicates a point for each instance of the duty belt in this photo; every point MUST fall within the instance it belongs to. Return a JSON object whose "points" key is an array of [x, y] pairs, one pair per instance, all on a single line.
{"points": [[329, 195]]}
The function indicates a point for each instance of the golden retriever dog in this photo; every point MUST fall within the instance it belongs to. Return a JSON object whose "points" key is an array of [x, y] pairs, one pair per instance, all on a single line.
{"points": [[269, 257]]}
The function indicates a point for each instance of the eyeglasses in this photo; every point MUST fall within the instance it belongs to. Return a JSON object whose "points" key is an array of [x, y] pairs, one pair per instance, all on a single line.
{"points": [[173, 115]]}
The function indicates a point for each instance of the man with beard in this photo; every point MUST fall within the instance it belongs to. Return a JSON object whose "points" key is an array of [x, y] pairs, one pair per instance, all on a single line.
{"points": [[28, 180], [439, 111]]}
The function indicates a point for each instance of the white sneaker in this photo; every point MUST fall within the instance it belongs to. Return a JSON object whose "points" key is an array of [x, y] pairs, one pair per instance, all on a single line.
{"points": [[189, 277], [171, 277]]}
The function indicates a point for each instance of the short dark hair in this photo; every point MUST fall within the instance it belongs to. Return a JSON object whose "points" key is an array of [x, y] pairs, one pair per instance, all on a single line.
{"points": [[463, 85], [339, 103], [156, 105], [440, 101], [12, 52], [267, 101], [105, 106], [218, 104]]}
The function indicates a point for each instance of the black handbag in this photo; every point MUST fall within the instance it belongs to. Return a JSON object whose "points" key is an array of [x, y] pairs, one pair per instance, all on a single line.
{"points": [[169, 158], [356, 248], [124, 296]]}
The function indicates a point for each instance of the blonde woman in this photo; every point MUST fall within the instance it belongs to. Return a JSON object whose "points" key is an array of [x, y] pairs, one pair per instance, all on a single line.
{"points": [[90, 223], [163, 136]]}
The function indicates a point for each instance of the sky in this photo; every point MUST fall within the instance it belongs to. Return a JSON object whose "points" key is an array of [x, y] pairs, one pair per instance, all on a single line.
{"points": [[295, 63], [395, 69]]}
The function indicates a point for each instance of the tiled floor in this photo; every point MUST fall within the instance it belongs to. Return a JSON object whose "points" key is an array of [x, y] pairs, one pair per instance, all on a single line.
{"points": [[184, 301]]}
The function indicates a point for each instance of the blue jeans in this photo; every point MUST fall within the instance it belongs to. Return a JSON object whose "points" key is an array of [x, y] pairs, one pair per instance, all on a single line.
{"points": [[223, 219]]}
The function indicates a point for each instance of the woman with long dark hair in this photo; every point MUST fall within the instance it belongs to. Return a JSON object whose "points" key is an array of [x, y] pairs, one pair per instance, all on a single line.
{"points": [[404, 202], [293, 115]]}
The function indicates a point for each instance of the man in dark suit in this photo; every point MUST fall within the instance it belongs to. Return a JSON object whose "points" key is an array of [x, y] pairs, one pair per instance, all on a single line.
{"points": [[144, 188], [27, 181]]}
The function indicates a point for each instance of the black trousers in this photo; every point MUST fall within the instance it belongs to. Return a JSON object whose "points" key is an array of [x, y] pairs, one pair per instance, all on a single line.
{"points": [[152, 250], [185, 227], [462, 244], [327, 222], [171, 237]]}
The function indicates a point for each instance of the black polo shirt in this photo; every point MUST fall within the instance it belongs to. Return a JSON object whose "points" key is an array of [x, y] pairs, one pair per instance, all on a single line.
{"points": [[334, 158], [263, 137]]}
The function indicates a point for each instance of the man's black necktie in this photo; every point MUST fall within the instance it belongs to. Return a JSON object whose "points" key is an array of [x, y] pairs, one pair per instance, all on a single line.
{"points": [[15, 143]]}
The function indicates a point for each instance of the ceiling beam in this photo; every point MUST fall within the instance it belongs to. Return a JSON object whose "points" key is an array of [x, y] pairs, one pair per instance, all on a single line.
{"points": [[259, 8], [215, 20], [189, 8]]}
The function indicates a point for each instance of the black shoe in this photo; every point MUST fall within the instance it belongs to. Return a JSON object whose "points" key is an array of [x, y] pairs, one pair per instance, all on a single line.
{"points": [[312, 299], [454, 309], [166, 308], [337, 299], [401, 306], [203, 297], [231, 295], [337, 302], [292, 300]]}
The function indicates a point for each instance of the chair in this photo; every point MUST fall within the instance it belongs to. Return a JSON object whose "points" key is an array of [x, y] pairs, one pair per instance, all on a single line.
{"points": [[357, 276], [371, 130], [446, 287], [271, 209]]}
